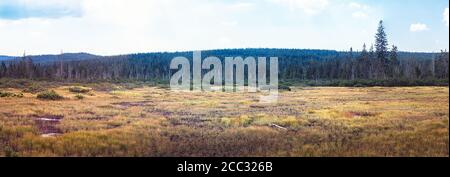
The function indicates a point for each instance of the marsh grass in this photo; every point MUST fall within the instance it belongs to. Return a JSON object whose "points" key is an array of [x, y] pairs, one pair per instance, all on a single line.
{"points": [[152, 121]]}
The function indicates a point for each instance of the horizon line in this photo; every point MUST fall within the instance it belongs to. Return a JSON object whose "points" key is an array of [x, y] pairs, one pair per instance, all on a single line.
{"points": [[192, 50]]}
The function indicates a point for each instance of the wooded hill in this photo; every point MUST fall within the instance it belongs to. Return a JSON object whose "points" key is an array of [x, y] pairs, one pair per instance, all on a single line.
{"points": [[378, 65], [295, 65]]}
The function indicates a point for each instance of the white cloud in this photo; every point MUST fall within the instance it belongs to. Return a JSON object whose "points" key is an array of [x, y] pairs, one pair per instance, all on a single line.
{"points": [[310, 7], [417, 27], [446, 16], [109, 27], [122, 12], [43, 3], [225, 41], [242, 6], [360, 15], [229, 23], [37, 3], [360, 11], [18, 9], [358, 6]]}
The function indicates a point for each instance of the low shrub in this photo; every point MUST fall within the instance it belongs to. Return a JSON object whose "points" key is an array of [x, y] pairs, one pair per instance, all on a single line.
{"points": [[284, 87], [8, 94], [78, 89], [242, 121], [34, 88], [14, 83], [79, 96], [49, 95]]}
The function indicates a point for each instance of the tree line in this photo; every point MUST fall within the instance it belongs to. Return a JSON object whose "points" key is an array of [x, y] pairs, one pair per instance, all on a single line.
{"points": [[377, 62]]}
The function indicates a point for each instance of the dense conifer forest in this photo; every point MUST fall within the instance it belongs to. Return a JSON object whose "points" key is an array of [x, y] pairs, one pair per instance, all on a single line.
{"points": [[379, 64]]}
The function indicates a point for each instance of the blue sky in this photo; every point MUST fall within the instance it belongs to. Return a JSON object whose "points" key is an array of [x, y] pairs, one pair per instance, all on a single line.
{"points": [[110, 27]]}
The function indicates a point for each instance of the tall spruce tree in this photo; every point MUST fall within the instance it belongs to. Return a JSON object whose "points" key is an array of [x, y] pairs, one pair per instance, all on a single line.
{"points": [[381, 49], [394, 62]]}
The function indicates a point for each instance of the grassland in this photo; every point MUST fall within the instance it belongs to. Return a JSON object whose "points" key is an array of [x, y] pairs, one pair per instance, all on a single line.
{"points": [[153, 121]]}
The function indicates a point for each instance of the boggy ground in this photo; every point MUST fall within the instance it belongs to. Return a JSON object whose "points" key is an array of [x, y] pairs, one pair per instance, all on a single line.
{"points": [[153, 121]]}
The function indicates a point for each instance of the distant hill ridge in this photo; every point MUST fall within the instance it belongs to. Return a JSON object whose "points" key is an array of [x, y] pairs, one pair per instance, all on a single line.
{"points": [[52, 58], [256, 52]]}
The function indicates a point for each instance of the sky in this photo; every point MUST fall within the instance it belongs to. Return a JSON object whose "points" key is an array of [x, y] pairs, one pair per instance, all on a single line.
{"points": [[111, 27]]}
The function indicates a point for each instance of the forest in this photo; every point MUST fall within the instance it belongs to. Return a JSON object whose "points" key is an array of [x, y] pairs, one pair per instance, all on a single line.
{"points": [[375, 65]]}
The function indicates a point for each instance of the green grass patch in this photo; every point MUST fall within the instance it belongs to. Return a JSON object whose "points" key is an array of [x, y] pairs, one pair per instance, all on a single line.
{"points": [[9, 94], [49, 95]]}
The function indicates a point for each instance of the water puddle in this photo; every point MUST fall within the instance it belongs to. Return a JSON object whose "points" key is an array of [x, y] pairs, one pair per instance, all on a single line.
{"points": [[47, 125]]}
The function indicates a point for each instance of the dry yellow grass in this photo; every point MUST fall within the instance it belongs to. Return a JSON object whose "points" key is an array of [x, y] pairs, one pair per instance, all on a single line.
{"points": [[151, 121]]}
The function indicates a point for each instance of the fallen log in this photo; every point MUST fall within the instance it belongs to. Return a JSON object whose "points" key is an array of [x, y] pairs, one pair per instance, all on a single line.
{"points": [[277, 126]]}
